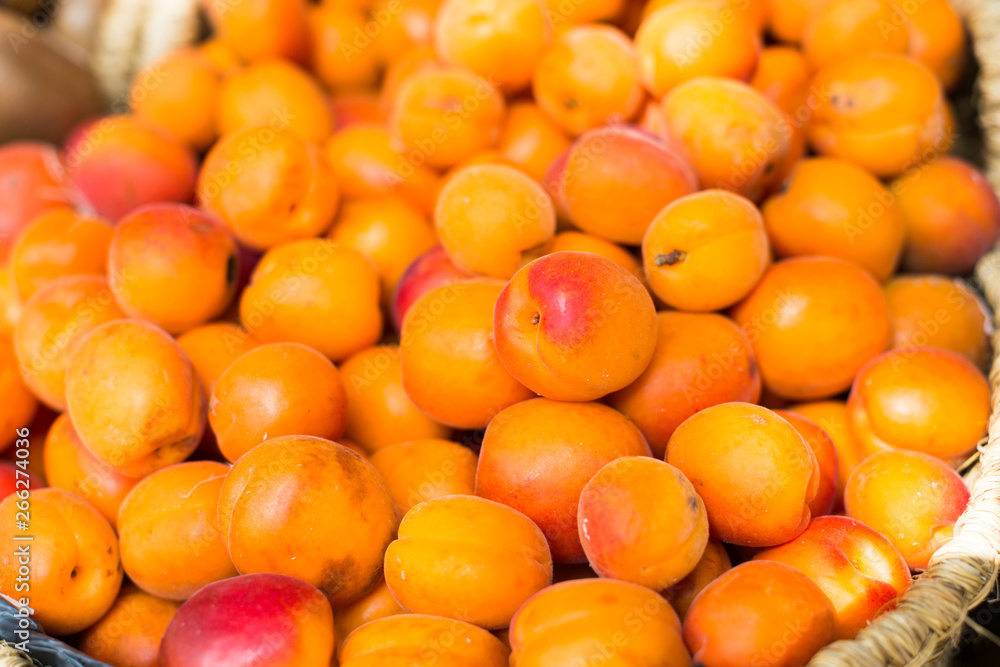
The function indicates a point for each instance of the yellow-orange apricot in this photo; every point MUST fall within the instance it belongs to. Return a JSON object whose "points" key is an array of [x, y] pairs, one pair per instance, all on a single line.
{"points": [[343, 57], [937, 38], [840, 29], [424, 469], [531, 139], [714, 561], [831, 416], [131, 631], [404, 639], [787, 19], [580, 242], [213, 347], [261, 29], [826, 456], [407, 26], [783, 75], [377, 603]]}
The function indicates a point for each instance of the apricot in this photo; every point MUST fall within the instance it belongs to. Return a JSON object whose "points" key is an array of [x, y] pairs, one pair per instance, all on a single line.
{"points": [[262, 29], [735, 138], [407, 26], [10, 302], [783, 75], [754, 472], [940, 312], [451, 369], [951, 214], [287, 504], [530, 139], [813, 322], [32, 181], [129, 634], [350, 108], [257, 619], [52, 322], [428, 271], [119, 163], [904, 125], [376, 604], [213, 347], [134, 397], [754, 10], [74, 572], [832, 417], [275, 390], [221, 55], [826, 457], [571, 241], [424, 469], [589, 77], [575, 621], [713, 562], [574, 326], [69, 465], [297, 294], [787, 19], [700, 360], [744, 616], [340, 59], [57, 243], [407, 639], [924, 399], [467, 558], [937, 39], [538, 455], [840, 29], [911, 498]]}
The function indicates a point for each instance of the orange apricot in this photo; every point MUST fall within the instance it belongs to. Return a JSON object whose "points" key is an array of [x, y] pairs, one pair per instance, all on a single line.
{"points": [[262, 29], [350, 108], [131, 631], [409, 638], [826, 457], [432, 269], [530, 139], [221, 56], [424, 469], [755, 10], [787, 19], [213, 347], [839, 29], [33, 181], [714, 561], [832, 417], [19, 404], [10, 302], [343, 57], [937, 38], [571, 241], [783, 75], [377, 603], [406, 26]]}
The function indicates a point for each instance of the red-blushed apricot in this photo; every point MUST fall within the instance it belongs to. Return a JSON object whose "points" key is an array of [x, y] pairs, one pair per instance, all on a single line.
{"points": [[617, 178], [826, 457], [641, 521], [832, 207], [377, 603], [743, 618], [752, 469], [831, 416], [32, 181], [714, 561], [337, 59], [574, 326], [129, 634], [579, 621], [903, 126], [169, 531], [951, 213], [538, 455], [287, 504], [119, 163], [59, 243], [379, 412], [690, 239], [937, 39], [858, 568], [589, 77], [74, 572], [261, 29], [69, 465], [274, 390], [840, 29], [172, 265], [924, 399], [213, 347], [911, 498], [571, 241], [52, 322], [531, 139], [431, 270], [134, 397], [446, 114], [424, 469], [350, 108], [13, 478], [269, 187], [406, 639], [296, 294], [467, 558], [492, 218], [736, 138], [451, 369], [783, 75], [253, 620], [684, 40], [813, 322], [941, 312]]}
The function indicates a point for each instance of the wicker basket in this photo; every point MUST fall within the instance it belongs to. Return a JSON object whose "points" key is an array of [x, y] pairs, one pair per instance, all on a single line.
{"points": [[925, 627]]}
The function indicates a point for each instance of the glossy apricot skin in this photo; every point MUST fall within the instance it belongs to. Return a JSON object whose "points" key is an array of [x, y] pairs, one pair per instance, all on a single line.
{"points": [[826, 457], [831, 207], [168, 530], [424, 469], [69, 465], [813, 322], [588, 77], [451, 370], [754, 472], [952, 216], [59, 243], [743, 618], [714, 561], [377, 603], [269, 187], [134, 397], [74, 568], [840, 29], [573, 621], [405, 639], [333, 39], [783, 75], [538, 455], [617, 178], [213, 347], [746, 160], [256, 619], [262, 29], [467, 558], [298, 496], [941, 312], [296, 294], [938, 40], [32, 181], [887, 133], [531, 139], [924, 399], [119, 163], [911, 498], [131, 631], [571, 241], [559, 326]]}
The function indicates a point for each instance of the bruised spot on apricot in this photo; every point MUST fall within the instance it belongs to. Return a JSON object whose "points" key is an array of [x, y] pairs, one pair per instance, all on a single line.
{"points": [[671, 258]]}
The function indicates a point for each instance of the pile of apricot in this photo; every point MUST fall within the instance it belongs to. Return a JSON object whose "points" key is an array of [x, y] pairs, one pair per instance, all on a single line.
{"points": [[482, 332]]}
